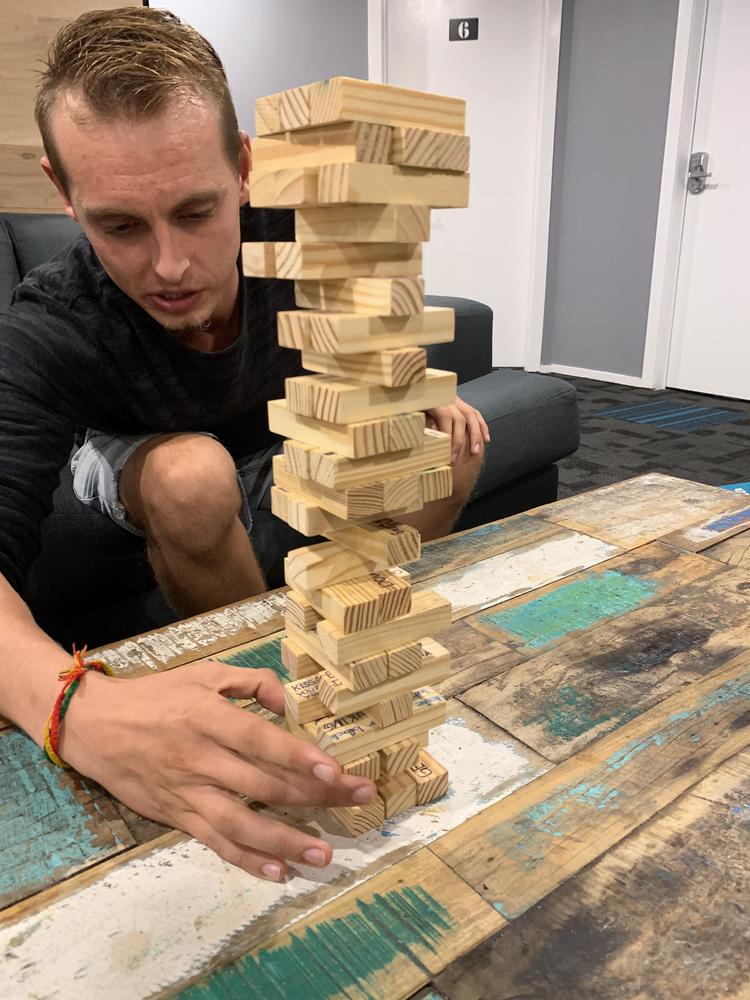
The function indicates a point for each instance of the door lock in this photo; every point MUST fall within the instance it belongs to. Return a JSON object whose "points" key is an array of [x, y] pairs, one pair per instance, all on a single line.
{"points": [[697, 173]]}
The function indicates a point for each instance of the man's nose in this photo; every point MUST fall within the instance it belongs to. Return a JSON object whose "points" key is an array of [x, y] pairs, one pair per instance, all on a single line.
{"points": [[170, 260]]}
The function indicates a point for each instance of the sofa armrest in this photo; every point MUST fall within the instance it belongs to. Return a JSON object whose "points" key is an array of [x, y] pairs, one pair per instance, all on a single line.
{"points": [[470, 353]]}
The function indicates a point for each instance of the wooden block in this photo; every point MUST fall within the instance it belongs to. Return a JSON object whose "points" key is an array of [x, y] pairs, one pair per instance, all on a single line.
{"points": [[338, 473], [364, 767], [359, 675], [429, 613], [294, 107], [436, 484], [363, 223], [405, 659], [314, 566], [385, 541], [392, 710], [301, 700], [279, 188], [360, 502], [398, 793], [296, 661], [419, 147], [342, 401], [351, 736], [396, 366], [309, 518], [339, 700], [321, 261], [358, 440], [344, 142], [429, 777], [356, 820], [365, 601], [300, 612], [371, 296], [398, 757], [268, 114]]}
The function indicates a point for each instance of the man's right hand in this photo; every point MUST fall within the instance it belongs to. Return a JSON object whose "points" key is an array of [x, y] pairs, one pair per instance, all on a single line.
{"points": [[173, 748]]}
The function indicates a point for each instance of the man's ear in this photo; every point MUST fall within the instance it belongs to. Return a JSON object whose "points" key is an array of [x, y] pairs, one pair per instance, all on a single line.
{"points": [[47, 168], [246, 164]]}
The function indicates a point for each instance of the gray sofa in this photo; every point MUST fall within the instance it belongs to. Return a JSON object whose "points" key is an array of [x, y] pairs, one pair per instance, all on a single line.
{"points": [[91, 582]]}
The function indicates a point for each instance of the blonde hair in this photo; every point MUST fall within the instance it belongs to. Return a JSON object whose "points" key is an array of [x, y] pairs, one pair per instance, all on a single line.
{"points": [[132, 63]]}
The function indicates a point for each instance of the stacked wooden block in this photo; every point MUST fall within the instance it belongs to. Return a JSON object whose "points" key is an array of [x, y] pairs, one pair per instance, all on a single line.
{"points": [[361, 164]]}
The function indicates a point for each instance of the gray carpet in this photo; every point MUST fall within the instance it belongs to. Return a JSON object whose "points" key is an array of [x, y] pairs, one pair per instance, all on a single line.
{"points": [[714, 448]]}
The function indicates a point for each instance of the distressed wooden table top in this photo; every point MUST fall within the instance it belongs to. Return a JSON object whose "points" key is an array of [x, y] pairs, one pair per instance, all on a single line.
{"points": [[595, 842]]}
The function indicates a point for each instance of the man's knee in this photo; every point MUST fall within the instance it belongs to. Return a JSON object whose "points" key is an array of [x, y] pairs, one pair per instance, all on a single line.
{"points": [[181, 488]]}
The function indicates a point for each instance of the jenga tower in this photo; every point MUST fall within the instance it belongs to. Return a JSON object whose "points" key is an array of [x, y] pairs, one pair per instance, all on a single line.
{"points": [[361, 164]]}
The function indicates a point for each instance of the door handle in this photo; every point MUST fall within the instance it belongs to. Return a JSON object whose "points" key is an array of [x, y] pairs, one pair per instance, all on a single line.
{"points": [[697, 173]]}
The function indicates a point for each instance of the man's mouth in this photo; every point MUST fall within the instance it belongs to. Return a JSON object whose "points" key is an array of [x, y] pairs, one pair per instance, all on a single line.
{"points": [[175, 302]]}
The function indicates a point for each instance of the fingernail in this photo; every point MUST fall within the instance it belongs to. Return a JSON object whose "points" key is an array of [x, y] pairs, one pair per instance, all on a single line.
{"points": [[314, 856], [363, 794], [475, 448], [271, 872], [454, 456], [324, 772]]}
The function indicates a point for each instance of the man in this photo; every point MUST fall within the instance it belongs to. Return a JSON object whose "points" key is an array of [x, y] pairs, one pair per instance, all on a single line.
{"points": [[145, 333]]}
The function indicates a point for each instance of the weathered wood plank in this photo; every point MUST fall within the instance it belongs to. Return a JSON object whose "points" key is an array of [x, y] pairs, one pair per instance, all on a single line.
{"points": [[519, 850], [734, 551], [566, 697], [663, 913], [639, 510], [52, 822], [713, 529], [385, 938]]}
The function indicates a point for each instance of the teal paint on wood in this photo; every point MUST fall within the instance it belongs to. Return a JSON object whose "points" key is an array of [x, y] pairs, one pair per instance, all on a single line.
{"points": [[265, 654], [49, 821], [436, 555], [323, 961], [573, 607], [570, 712]]}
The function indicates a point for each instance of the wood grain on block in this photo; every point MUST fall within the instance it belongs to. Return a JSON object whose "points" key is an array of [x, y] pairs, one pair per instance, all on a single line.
{"points": [[352, 736], [364, 601], [396, 366], [429, 613], [344, 98], [420, 147], [343, 401], [298, 610], [370, 296], [283, 188], [430, 778], [341, 701], [309, 518], [365, 142], [356, 333], [320, 261], [405, 659], [364, 767], [385, 540], [398, 757], [337, 472], [358, 440], [359, 674], [314, 566], [392, 710], [301, 700], [268, 114], [363, 224], [360, 502], [384, 184], [436, 484], [296, 661], [398, 793], [356, 820], [294, 105]]}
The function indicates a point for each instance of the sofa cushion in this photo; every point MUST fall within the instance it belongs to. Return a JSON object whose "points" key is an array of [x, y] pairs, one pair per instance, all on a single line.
{"points": [[470, 354], [39, 236], [9, 276]]}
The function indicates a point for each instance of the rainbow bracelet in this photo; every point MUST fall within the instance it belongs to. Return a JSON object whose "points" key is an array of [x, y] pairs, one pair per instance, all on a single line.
{"points": [[71, 678]]}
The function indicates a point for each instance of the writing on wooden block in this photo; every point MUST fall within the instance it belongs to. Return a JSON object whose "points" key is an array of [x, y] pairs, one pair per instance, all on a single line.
{"points": [[314, 566], [356, 820], [364, 601], [398, 757], [398, 793], [429, 777], [343, 401], [301, 700], [296, 661], [396, 366], [320, 261], [364, 767], [371, 296], [299, 611], [363, 223], [405, 659], [383, 540], [358, 675], [343, 142], [418, 147], [386, 713]]}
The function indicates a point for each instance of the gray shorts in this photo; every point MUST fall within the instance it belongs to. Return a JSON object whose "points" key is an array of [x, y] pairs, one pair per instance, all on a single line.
{"points": [[97, 465]]}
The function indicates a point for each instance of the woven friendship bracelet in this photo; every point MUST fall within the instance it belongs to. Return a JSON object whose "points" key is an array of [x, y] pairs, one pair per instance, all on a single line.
{"points": [[71, 678]]}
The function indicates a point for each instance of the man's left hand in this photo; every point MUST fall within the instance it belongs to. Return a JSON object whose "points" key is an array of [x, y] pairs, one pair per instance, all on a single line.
{"points": [[466, 426]]}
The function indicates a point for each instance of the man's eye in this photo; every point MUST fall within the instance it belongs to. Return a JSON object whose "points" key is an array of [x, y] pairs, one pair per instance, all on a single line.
{"points": [[120, 230], [197, 216]]}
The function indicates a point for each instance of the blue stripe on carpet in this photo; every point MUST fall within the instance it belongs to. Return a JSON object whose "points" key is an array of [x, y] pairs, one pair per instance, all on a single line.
{"points": [[666, 416]]}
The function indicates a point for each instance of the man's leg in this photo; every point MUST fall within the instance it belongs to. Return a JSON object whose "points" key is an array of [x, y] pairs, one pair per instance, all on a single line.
{"points": [[181, 490], [438, 518]]}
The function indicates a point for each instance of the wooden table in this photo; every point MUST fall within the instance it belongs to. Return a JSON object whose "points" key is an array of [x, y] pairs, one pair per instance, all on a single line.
{"points": [[595, 841]]}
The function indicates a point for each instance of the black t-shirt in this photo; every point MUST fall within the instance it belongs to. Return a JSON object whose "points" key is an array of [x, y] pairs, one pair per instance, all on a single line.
{"points": [[76, 352]]}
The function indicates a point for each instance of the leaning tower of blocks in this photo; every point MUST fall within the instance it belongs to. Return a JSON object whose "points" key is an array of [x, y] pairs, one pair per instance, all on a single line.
{"points": [[361, 164]]}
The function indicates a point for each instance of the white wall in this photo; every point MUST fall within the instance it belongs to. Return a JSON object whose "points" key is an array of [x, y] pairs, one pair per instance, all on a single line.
{"points": [[485, 251]]}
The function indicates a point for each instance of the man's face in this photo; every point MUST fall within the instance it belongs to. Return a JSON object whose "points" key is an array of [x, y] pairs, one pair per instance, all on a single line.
{"points": [[159, 202]]}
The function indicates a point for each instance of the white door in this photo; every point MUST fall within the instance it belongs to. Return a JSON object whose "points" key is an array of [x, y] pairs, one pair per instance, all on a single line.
{"points": [[710, 344]]}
